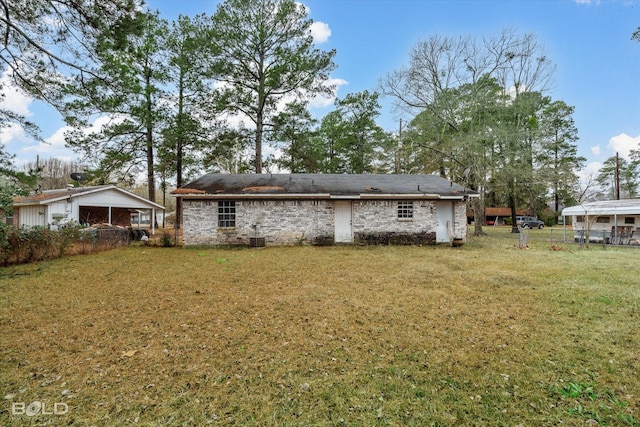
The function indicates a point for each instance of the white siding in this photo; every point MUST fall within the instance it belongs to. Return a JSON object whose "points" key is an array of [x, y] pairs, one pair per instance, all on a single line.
{"points": [[33, 216], [113, 198]]}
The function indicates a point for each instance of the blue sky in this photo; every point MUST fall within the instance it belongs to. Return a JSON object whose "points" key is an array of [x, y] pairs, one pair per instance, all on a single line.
{"points": [[589, 41]]}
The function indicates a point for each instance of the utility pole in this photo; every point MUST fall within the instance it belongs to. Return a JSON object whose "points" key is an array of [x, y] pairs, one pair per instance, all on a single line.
{"points": [[399, 148]]}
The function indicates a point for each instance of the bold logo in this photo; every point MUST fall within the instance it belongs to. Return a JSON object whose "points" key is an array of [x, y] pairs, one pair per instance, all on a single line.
{"points": [[39, 408]]}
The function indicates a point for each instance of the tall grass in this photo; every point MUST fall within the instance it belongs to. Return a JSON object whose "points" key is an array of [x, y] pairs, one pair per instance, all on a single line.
{"points": [[486, 334]]}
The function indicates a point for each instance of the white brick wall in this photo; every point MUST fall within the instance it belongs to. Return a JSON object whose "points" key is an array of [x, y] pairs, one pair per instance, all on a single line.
{"points": [[283, 222], [373, 216]]}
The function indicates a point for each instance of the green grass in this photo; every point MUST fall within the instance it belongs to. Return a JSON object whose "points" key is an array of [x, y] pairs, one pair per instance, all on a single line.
{"points": [[487, 334]]}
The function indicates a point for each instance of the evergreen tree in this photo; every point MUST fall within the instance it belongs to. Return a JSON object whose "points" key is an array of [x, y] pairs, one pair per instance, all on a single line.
{"points": [[265, 55], [128, 94]]}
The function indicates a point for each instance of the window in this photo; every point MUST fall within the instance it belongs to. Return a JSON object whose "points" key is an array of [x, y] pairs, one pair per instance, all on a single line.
{"points": [[226, 213], [629, 220], [405, 210], [603, 220]]}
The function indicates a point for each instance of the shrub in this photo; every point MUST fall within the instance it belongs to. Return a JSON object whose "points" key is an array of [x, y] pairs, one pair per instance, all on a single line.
{"points": [[166, 241], [31, 244]]}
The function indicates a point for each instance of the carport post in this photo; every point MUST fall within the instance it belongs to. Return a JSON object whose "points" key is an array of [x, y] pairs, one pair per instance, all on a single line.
{"points": [[153, 221], [110, 215]]}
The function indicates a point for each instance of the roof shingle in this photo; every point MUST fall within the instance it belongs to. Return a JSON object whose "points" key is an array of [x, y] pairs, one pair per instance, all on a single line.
{"points": [[333, 184]]}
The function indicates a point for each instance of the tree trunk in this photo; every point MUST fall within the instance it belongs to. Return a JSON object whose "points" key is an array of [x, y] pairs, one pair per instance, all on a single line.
{"points": [[179, 153], [259, 128], [149, 138], [512, 205], [478, 216]]}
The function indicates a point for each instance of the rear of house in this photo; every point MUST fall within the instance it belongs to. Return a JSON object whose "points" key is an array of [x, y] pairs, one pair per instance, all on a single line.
{"points": [[285, 209]]}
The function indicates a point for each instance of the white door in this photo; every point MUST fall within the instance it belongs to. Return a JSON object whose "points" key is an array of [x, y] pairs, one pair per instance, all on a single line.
{"points": [[444, 213], [343, 231]]}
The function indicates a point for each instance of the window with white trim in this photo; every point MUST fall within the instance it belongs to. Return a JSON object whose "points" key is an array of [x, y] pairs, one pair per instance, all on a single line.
{"points": [[226, 213], [405, 210]]}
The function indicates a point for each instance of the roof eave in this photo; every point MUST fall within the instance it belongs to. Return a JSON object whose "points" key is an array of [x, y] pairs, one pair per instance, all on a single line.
{"points": [[76, 194], [328, 196]]}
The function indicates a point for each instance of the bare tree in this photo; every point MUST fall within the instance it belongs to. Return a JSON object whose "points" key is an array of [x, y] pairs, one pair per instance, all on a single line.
{"points": [[454, 79], [53, 173]]}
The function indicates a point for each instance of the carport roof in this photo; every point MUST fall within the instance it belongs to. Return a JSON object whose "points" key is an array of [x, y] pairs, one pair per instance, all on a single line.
{"points": [[605, 207], [324, 186], [50, 196]]}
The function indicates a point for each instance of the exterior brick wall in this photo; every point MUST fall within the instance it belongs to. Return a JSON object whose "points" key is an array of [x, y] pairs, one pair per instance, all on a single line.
{"points": [[460, 220], [278, 221], [287, 222], [372, 216]]}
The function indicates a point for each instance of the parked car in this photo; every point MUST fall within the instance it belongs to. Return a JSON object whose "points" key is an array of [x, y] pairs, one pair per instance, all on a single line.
{"points": [[529, 222]]}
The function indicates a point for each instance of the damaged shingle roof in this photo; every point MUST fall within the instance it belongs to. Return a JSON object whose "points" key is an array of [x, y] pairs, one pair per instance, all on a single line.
{"points": [[344, 185]]}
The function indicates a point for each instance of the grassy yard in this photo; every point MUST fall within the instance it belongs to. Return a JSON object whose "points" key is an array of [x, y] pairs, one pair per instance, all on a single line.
{"points": [[487, 334]]}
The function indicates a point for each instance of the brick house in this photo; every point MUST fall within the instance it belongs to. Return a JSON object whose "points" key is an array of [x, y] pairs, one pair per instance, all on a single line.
{"points": [[285, 209]]}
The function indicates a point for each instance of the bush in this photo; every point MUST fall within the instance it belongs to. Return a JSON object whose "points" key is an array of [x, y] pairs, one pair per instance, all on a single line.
{"points": [[166, 241], [31, 244]]}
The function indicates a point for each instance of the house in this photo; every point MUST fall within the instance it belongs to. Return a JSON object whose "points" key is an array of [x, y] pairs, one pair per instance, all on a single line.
{"points": [[497, 216], [281, 209], [609, 221], [103, 204]]}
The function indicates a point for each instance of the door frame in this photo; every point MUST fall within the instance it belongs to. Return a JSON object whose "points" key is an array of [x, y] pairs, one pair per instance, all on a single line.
{"points": [[343, 221], [445, 217]]}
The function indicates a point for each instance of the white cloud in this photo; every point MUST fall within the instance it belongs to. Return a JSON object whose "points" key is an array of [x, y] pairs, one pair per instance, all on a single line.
{"points": [[595, 150], [591, 169], [323, 101], [623, 144], [320, 32], [587, 175], [14, 100], [53, 146], [12, 133]]}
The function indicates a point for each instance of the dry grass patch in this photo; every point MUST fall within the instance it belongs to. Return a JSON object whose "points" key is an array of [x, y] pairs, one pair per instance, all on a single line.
{"points": [[486, 334]]}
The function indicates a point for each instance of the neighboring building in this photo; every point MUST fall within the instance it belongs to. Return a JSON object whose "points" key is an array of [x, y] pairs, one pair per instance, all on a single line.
{"points": [[497, 216], [610, 221], [104, 204], [281, 209]]}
